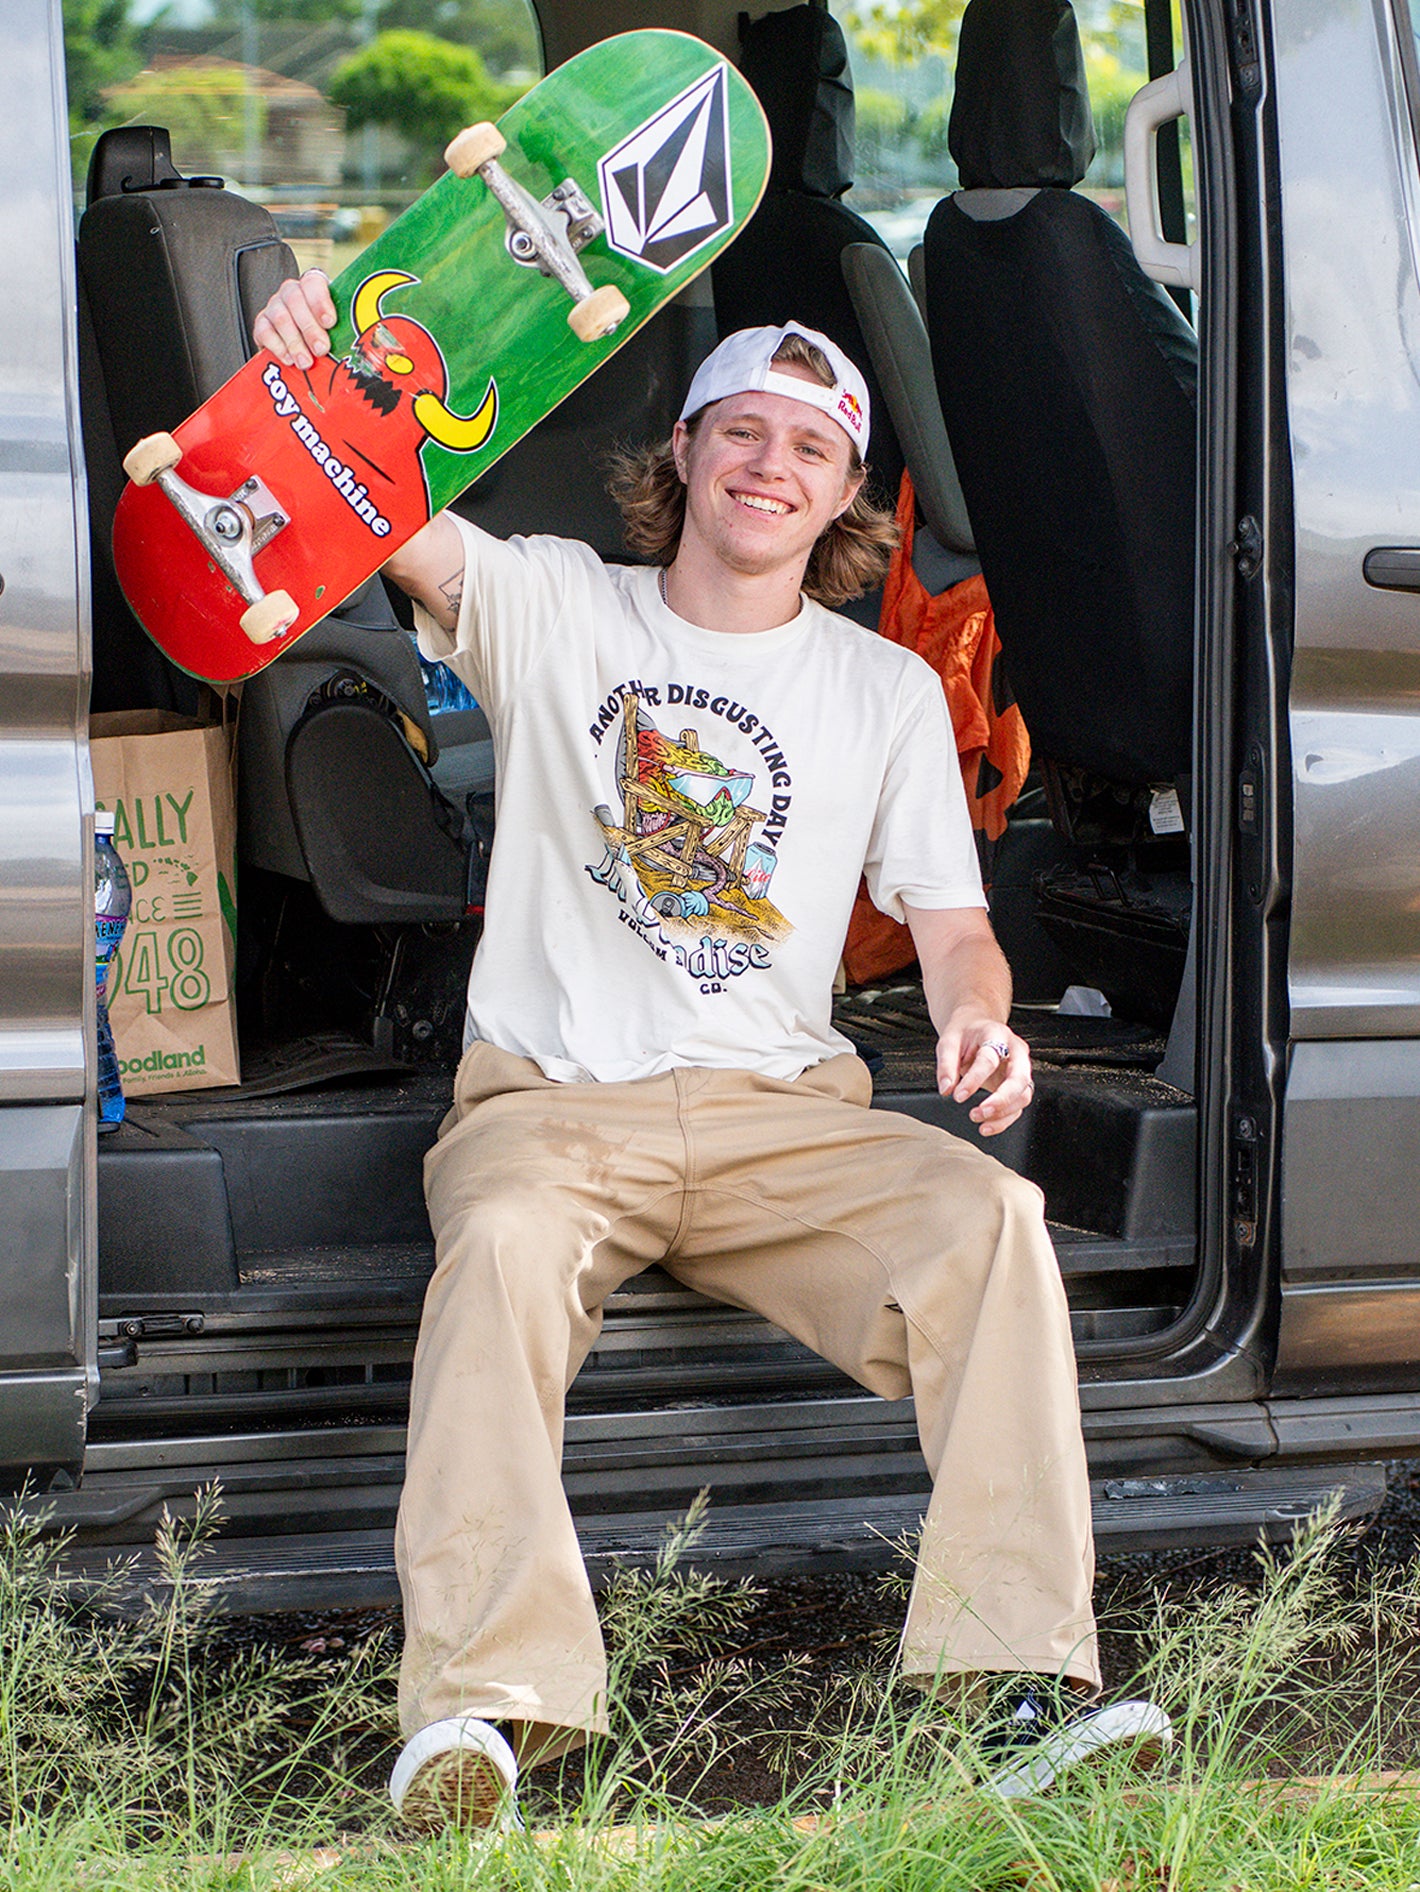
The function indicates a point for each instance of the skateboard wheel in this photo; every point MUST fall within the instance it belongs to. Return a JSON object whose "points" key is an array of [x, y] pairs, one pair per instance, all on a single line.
{"points": [[269, 616], [605, 309], [472, 148], [153, 455]]}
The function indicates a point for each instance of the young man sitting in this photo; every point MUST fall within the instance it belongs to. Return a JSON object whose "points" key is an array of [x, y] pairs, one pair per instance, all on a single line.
{"points": [[696, 762]]}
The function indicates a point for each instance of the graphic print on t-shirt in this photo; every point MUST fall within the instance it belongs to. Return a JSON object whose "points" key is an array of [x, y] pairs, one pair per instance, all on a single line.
{"points": [[689, 853]]}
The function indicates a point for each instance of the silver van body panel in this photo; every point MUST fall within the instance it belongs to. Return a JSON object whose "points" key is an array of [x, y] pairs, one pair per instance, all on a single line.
{"points": [[47, 1161], [1351, 1137], [45, 1385], [1351, 207], [1351, 1288]]}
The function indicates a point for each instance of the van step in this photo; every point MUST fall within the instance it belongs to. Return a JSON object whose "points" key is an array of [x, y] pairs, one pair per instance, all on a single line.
{"points": [[1221, 1508], [348, 1569], [331, 1331], [219, 1198]]}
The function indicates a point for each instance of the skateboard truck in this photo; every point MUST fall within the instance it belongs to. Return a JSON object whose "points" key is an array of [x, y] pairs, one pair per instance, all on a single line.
{"points": [[570, 202], [548, 234], [231, 531]]}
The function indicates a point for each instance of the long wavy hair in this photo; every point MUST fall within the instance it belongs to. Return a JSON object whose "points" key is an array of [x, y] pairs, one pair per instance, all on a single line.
{"points": [[851, 555]]}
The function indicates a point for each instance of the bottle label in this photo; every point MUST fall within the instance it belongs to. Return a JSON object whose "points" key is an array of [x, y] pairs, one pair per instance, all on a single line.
{"points": [[107, 934], [108, 931]]}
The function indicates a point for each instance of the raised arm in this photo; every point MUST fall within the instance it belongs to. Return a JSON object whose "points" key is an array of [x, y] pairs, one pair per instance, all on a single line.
{"points": [[295, 326], [430, 568]]}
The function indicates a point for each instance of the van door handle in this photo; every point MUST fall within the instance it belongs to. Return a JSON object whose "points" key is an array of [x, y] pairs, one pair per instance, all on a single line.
{"points": [[1393, 567]]}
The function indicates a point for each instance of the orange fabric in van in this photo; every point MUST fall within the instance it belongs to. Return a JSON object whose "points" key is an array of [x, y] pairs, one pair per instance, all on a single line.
{"points": [[956, 633]]}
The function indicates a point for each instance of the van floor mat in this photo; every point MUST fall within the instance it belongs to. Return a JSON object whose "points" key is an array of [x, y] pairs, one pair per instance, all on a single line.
{"points": [[327, 1057], [893, 1033], [1064, 1038]]}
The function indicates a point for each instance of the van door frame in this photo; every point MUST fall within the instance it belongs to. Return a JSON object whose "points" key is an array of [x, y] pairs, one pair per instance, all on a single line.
{"points": [[1221, 1346]]}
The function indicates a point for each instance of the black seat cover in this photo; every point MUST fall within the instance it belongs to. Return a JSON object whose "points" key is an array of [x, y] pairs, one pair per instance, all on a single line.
{"points": [[1068, 383], [785, 265], [140, 372]]}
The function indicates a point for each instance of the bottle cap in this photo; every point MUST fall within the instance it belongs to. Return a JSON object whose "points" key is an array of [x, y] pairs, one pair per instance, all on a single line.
{"points": [[103, 822]]}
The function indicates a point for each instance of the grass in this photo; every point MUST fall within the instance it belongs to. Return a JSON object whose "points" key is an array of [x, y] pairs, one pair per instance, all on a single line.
{"points": [[150, 1751]]}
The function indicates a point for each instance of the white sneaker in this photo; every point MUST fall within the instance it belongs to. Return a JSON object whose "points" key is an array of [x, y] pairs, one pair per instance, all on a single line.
{"points": [[1032, 1748], [459, 1772]]}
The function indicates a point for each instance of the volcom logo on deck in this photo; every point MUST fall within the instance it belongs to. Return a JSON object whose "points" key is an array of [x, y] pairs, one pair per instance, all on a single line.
{"points": [[666, 188]]}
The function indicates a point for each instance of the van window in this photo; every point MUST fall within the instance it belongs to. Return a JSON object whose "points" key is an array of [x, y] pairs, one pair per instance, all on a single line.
{"points": [[333, 113], [903, 57]]}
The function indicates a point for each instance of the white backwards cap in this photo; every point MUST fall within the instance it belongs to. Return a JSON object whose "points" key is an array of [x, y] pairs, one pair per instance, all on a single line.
{"points": [[744, 363]]}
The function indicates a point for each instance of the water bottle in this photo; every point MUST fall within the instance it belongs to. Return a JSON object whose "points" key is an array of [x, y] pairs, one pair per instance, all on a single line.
{"points": [[433, 675], [444, 689], [112, 898]]}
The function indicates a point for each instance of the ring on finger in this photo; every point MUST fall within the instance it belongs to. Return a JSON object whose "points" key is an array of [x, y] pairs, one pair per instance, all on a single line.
{"points": [[1000, 1047]]}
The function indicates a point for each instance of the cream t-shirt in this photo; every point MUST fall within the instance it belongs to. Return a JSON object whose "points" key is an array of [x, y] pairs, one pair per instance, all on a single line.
{"points": [[683, 815]]}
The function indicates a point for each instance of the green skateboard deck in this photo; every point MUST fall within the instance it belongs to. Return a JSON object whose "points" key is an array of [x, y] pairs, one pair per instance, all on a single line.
{"points": [[645, 155]]}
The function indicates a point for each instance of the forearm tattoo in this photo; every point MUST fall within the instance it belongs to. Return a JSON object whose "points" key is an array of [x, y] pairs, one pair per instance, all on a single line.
{"points": [[451, 591]]}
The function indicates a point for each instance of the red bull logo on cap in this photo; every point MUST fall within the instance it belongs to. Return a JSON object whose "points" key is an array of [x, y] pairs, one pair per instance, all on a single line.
{"points": [[851, 409]]}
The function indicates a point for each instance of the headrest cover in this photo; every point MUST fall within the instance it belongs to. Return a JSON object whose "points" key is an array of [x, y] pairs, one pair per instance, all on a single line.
{"points": [[1021, 114], [797, 62], [744, 363]]}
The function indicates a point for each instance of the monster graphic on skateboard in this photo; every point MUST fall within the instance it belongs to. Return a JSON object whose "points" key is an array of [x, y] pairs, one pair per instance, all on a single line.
{"points": [[553, 236]]}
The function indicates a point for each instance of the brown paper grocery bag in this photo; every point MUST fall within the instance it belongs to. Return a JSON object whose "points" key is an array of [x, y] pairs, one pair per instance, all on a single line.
{"points": [[168, 780]]}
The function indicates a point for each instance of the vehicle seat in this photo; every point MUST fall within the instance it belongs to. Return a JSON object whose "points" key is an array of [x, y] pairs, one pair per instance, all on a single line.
{"points": [[173, 271], [1068, 383], [786, 264], [895, 336]]}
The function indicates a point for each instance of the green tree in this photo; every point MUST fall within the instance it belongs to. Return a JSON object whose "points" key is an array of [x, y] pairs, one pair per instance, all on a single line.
{"points": [[423, 87], [100, 50], [230, 13], [929, 128], [901, 34], [1112, 86], [883, 123], [502, 32], [901, 31]]}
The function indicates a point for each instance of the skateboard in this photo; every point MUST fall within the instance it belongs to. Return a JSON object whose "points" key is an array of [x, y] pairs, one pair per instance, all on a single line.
{"points": [[553, 236]]}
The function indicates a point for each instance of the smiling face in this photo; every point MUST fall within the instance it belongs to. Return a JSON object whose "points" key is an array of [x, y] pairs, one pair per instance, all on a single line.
{"points": [[765, 476]]}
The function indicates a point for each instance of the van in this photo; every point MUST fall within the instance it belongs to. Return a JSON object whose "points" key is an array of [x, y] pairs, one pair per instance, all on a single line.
{"points": [[1210, 890]]}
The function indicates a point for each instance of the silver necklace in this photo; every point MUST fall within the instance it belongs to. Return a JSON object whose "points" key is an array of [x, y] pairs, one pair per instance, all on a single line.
{"points": [[661, 581]]}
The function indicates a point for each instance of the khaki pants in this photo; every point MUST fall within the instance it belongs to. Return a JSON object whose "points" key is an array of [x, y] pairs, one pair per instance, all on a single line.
{"points": [[907, 1257]]}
